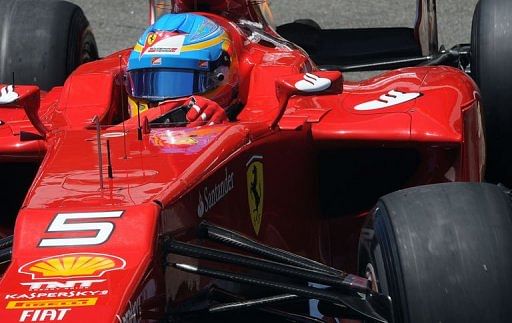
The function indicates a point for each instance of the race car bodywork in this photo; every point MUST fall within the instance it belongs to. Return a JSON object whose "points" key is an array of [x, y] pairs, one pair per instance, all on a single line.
{"points": [[299, 170]]}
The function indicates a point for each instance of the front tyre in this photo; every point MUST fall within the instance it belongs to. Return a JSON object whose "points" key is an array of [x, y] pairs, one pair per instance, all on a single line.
{"points": [[442, 252], [491, 64], [43, 41]]}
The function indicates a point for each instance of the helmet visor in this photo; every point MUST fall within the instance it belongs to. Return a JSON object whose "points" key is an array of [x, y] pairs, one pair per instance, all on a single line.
{"points": [[160, 84]]}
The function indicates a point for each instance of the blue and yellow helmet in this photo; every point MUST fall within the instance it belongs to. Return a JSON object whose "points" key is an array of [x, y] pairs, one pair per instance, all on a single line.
{"points": [[179, 55]]}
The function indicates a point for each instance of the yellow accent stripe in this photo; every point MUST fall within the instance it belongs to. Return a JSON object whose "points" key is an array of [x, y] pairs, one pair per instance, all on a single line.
{"points": [[52, 303], [134, 108], [212, 42], [138, 47]]}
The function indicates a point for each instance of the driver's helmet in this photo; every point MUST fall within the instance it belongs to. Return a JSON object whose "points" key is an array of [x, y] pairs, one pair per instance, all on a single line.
{"points": [[181, 55]]}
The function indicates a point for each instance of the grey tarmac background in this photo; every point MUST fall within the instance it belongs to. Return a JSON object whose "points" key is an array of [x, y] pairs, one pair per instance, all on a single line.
{"points": [[117, 24]]}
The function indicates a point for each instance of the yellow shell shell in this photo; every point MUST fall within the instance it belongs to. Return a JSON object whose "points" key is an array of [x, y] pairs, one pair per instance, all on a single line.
{"points": [[72, 266]]}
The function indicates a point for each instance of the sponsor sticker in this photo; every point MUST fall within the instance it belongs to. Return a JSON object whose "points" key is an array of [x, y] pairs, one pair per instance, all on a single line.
{"points": [[70, 284], [55, 289], [185, 141], [388, 100], [133, 313], [114, 134], [44, 315], [313, 83], [255, 191], [67, 294], [72, 266], [212, 195], [52, 303], [151, 38], [8, 95], [164, 43]]}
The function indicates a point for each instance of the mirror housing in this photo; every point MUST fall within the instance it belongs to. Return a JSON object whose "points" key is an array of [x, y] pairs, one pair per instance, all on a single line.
{"points": [[308, 84], [316, 83], [27, 97]]}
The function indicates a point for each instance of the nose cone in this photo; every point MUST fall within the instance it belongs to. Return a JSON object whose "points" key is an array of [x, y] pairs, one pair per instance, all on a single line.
{"points": [[72, 277]]}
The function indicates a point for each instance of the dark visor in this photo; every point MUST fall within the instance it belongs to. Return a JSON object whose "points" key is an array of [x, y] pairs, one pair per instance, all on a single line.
{"points": [[160, 84]]}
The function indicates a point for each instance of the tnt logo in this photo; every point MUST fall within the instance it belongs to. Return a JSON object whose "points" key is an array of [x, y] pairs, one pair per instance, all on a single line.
{"points": [[44, 315], [80, 284]]}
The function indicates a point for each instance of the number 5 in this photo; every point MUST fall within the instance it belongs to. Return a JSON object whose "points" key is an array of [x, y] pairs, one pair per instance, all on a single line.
{"points": [[61, 224]]}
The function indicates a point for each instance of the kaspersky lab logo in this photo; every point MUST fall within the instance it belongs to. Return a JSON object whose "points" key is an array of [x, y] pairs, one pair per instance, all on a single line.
{"points": [[72, 266]]}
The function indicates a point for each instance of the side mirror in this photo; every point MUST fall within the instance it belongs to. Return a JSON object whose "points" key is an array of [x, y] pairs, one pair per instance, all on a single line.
{"points": [[315, 83], [27, 97], [8, 95]]}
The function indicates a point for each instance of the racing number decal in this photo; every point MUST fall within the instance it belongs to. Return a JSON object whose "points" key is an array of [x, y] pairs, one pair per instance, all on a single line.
{"points": [[80, 222]]}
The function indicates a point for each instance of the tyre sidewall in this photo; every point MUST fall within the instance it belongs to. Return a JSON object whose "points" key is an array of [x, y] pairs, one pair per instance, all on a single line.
{"points": [[491, 52], [43, 41], [445, 250], [376, 247]]}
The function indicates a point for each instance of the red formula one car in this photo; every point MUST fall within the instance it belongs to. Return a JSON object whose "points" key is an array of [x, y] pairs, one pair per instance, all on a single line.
{"points": [[321, 200]]}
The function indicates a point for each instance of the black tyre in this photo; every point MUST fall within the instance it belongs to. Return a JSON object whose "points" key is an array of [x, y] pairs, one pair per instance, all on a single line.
{"points": [[303, 32], [42, 42], [308, 22], [491, 52], [442, 252]]}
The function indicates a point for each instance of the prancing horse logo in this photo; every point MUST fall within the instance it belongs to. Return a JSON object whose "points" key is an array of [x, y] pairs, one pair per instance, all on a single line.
{"points": [[255, 191]]}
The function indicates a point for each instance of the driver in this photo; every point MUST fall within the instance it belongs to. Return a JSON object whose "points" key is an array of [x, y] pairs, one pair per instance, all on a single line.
{"points": [[184, 56]]}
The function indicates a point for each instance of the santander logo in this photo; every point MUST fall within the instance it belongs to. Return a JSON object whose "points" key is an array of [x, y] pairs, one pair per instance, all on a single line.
{"points": [[8, 95], [200, 206], [212, 195], [387, 100], [312, 83]]}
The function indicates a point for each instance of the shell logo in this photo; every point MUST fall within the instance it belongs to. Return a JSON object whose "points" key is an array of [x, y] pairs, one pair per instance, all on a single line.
{"points": [[72, 265]]}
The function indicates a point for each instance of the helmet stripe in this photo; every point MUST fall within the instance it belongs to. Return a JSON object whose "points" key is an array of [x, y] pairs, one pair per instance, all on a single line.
{"points": [[210, 43], [138, 48]]}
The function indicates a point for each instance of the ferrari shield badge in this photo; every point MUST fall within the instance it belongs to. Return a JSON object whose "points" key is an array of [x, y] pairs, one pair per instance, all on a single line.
{"points": [[151, 39], [255, 191]]}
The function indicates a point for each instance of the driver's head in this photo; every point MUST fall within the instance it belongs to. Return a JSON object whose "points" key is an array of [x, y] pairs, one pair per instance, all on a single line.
{"points": [[181, 55]]}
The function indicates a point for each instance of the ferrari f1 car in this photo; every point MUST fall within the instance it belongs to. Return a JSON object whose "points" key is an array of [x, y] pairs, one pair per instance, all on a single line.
{"points": [[322, 200]]}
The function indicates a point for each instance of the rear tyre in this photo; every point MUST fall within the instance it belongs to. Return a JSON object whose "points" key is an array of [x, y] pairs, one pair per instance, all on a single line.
{"points": [[308, 22], [43, 41], [442, 252], [491, 50], [303, 32]]}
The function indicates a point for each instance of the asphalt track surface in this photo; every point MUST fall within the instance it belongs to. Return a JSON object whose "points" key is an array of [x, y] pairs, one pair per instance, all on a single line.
{"points": [[117, 24]]}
